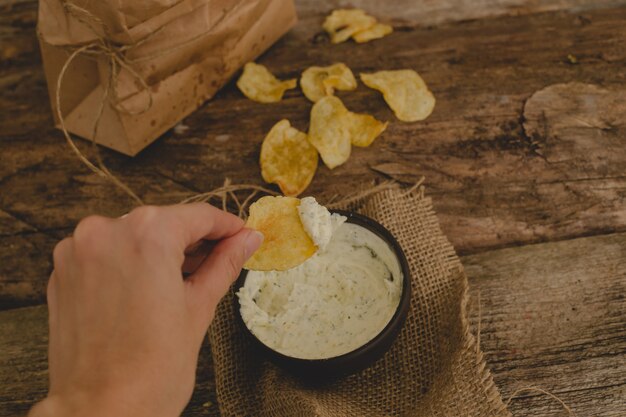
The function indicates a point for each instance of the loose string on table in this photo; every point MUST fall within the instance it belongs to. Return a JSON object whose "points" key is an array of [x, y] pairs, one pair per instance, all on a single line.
{"points": [[116, 56], [523, 389], [531, 388], [228, 193]]}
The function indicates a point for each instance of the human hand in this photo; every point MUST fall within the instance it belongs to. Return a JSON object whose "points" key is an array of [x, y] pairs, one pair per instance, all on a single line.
{"points": [[125, 328]]}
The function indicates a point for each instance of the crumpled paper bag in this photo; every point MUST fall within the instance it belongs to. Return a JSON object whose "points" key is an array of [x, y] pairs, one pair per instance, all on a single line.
{"points": [[148, 64]]}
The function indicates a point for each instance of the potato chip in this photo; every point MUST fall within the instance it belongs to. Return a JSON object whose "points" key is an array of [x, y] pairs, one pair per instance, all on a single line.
{"points": [[258, 84], [286, 244], [404, 91], [365, 129], [333, 129], [329, 131], [377, 31], [318, 82], [288, 159], [343, 23]]}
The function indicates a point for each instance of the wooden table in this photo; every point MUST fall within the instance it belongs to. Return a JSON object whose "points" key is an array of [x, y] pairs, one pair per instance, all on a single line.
{"points": [[524, 156]]}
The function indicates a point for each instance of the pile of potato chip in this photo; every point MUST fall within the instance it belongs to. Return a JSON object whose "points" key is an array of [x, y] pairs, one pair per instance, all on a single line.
{"points": [[289, 157], [333, 130], [344, 24], [318, 82]]}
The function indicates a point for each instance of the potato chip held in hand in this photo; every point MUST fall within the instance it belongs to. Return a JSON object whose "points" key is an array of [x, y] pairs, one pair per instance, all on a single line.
{"points": [[341, 24], [258, 84], [288, 159], [286, 244], [404, 91], [333, 129], [318, 82], [377, 31]]}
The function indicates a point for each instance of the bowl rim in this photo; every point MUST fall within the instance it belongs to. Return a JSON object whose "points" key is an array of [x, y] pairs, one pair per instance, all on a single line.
{"points": [[396, 322]]}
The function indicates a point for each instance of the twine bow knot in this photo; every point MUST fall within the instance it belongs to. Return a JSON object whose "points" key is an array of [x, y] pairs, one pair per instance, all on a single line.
{"points": [[116, 56]]}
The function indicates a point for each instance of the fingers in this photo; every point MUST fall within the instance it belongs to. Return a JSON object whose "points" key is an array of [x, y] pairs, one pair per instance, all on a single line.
{"points": [[51, 296], [53, 324], [196, 254], [59, 285], [220, 269], [203, 221], [183, 224]]}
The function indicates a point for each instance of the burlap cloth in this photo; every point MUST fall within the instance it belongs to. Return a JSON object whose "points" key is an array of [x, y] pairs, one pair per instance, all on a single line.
{"points": [[435, 367]]}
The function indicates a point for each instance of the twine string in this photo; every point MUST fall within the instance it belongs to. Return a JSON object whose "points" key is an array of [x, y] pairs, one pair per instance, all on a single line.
{"points": [[518, 391], [117, 61], [101, 170], [116, 55], [357, 196]]}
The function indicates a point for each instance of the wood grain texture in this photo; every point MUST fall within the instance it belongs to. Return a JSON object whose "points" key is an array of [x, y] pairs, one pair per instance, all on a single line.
{"points": [[24, 374], [552, 316], [494, 184], [428, 12]]}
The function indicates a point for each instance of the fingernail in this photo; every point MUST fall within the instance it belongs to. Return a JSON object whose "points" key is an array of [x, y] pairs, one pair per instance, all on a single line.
{"points": [[253, 242]]}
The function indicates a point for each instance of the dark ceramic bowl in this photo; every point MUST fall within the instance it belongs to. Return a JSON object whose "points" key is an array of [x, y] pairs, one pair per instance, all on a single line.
{"points": [[361, 357]]}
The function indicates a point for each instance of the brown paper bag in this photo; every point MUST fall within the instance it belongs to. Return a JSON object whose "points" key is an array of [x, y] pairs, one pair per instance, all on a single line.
{"points": [[146, 65]]}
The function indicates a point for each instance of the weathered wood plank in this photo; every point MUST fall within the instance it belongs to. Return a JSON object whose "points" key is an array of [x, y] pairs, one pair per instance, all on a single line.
{"points": [[25, 264], [23, 365], [23, 358], [552, 315], [494, 184], [9, 225], [427, 12]]}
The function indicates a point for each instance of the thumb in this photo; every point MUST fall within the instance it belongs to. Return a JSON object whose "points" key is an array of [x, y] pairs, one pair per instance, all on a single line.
{"points": [[221, 268]]}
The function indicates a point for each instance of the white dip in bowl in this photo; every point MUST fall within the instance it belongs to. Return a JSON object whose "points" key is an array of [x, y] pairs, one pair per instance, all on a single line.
{"points": [[332, 304]]}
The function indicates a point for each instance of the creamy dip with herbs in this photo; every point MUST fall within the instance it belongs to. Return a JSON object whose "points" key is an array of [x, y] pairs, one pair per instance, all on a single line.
{"points": [[335, 302], [318, 222]]}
